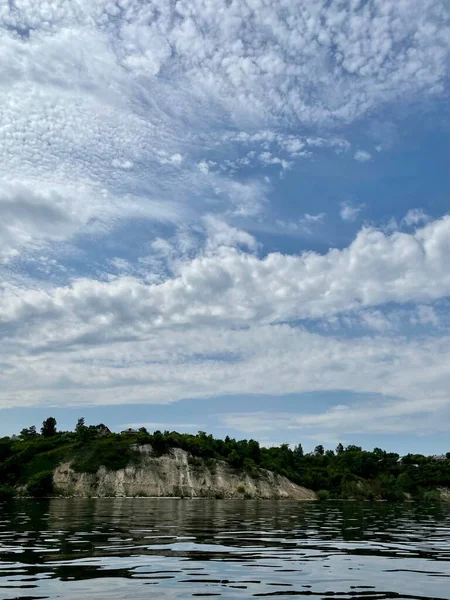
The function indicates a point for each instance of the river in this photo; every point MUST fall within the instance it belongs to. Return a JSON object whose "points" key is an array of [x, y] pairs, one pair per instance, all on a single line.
{"points": [[167, 548]]}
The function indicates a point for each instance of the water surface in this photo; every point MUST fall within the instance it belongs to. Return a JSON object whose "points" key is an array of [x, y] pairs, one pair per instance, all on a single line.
{"points": [[163, 548]]}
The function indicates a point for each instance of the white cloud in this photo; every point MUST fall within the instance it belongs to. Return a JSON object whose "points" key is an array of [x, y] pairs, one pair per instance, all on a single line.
{"points": [[221, 235], [304, 225], [113, 112], [376, 417], [362, 156], [215, 327], [124, 100], [235, 287], [349, 211], [268, 159], [426, 315], [415, 216]]}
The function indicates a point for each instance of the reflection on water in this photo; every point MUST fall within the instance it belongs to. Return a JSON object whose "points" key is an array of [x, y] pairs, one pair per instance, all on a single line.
{"points": [[164, 548]]}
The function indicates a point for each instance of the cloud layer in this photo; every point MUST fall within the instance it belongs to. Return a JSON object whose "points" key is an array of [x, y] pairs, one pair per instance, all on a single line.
{"points": [[169, 128], [227, 322], [104, 101]]}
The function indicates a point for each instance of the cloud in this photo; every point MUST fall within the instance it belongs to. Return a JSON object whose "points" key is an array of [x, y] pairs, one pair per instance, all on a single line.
{"points": [[237, 287], [126, 114], [349, 211], [367, 416], [362, 156], [415, 216], [207, 361], [124, 101], [220, 325], [303, 225]]}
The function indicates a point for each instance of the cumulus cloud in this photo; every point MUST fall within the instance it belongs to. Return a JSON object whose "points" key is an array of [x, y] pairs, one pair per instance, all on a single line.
{"points": [[238, 287]]}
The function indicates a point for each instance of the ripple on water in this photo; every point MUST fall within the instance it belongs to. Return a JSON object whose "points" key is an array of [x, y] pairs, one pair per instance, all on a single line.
{"points": [[117, 548]]}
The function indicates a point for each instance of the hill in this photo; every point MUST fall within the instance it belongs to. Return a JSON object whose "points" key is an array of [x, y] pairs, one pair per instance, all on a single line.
{"points": [[170, 463]]}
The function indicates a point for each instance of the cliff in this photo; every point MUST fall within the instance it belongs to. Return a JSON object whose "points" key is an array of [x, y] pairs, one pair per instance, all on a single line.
{"points": [[177, 474]]}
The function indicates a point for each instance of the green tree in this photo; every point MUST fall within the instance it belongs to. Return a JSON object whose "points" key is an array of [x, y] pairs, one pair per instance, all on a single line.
{"points": [[29, 433], [319, 450], [48, 428], [353, 448], [339, 449], [84, 433], [254, 451], [298, 451], [80, 425], [234, 459]]}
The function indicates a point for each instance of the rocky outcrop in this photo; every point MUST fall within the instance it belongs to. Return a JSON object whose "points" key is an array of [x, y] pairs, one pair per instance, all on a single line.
{"points": [[444, 494], [177, 474]]}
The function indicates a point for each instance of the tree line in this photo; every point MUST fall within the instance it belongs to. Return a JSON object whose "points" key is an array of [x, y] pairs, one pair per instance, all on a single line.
{"points": [[28, 459]]}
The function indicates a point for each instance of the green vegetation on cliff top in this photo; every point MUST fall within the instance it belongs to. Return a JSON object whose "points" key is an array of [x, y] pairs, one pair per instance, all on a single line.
{"points": [[27, 461]]}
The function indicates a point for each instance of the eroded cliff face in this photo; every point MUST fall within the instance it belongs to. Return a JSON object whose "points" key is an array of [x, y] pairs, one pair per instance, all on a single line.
{"points": [[177, 474]]}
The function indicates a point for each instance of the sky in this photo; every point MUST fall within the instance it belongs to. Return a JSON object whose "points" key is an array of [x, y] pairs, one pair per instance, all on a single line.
{"points": [[229, 216]]}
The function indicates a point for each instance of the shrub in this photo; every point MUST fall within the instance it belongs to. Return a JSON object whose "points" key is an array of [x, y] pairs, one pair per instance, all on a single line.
{"points": [[41, 484], [195, 462], [251, 468], [235, 460], [432, 496], [6, 492], [111, 453], [323, 495]]}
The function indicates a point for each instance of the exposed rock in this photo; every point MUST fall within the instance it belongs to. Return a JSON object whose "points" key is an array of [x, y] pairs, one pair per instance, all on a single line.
{"points": [[177, 474], [445, 494]]}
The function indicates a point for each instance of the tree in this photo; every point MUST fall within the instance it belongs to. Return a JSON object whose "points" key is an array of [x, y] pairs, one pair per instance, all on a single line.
{"points": [[48, 428], [298, 451], [28, 433], [339, 448], [353, 448], [83, 432], [319, 450], [234, 459], [254, 451], [80, 425]]}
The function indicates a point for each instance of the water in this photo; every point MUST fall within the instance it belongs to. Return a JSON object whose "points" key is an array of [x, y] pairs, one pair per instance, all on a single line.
{"points": [[160, 548]]}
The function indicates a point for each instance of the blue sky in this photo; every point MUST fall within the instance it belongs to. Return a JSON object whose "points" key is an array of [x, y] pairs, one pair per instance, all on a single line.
{"points": [[227, 216]]}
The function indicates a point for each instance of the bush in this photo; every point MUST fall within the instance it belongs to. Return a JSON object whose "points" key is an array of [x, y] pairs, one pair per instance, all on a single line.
{"points": [[251, 468], [432, 496], [235, 460], [111, 453], [323, 495], [6, 492], [41, 484]]}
